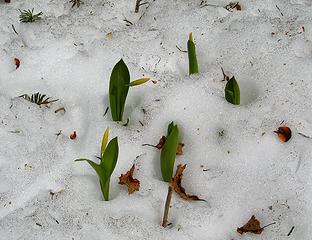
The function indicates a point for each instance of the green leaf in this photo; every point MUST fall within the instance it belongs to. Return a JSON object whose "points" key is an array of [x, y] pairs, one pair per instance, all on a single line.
{"points": [[232, 93], [191, 50], [118, 89], [168, 152], [138, 82]]}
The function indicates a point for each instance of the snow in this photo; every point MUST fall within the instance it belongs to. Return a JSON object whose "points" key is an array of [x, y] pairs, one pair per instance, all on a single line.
{"points": [[69, 56]]}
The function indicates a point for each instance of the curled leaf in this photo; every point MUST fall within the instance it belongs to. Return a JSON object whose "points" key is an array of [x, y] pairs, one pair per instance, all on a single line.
{"points": [[252, 226], [232, 92], [128, 180], [283, 133], [176, 185], [17, 63], [138, 82], [191, 50], [168, 152], [104, 140]]}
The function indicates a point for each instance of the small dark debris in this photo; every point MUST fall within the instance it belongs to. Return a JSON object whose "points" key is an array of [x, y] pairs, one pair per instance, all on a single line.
{"points": [[106, 110], [291, 230], [38, 224]]}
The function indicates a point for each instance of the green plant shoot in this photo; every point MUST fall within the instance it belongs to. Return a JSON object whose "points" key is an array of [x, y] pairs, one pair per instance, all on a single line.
{"points": [[108, 160], [168, 152], [232, 93], [118, 89], [191, 50], [29, 16]]}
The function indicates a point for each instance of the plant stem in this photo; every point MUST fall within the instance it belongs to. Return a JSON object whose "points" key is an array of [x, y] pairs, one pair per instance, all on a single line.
{"points": [[167, 206]]}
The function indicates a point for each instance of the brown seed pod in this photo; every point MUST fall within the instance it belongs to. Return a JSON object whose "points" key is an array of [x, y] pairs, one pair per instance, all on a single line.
{"points": [[73, 135], [283, 133]]}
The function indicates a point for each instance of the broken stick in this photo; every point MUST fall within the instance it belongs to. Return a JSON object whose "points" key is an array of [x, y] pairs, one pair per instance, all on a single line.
{"points": [[167, 206]]}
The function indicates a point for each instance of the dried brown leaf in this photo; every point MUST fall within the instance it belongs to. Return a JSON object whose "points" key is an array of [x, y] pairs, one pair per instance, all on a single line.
{"points": [[128, 180], [17, 63], [162, 142], [253, 226], [177, 187]]}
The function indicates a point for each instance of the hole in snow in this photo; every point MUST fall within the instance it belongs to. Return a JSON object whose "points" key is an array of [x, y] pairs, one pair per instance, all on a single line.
{"points": [[248, 92]]}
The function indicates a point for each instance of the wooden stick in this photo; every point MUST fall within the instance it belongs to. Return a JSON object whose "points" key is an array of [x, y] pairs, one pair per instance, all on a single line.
{"points": [[167, 206]]}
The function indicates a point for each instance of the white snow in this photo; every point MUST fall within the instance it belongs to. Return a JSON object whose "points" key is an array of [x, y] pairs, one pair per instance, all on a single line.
{"points": [[68, 55]]}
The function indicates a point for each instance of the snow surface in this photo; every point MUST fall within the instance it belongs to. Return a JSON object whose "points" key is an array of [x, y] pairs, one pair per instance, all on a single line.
{"points": [[68, 55]]}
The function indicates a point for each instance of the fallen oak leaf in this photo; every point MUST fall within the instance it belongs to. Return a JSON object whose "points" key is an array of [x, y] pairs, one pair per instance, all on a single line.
{"points": [[128, 180], [283, 133], [253, 226], [177, 187]]}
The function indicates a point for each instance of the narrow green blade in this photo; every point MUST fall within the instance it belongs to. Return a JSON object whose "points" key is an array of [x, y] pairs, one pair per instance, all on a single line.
{"points": [[191, 50], [232, 92], [168, 153], [118, 89]]}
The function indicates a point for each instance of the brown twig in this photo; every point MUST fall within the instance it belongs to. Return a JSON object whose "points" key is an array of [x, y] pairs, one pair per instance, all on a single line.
{"points": [[181, 49], [60, 109], [14, 29], [279, 10], [291, 230], [167, 206], [137, 5]]}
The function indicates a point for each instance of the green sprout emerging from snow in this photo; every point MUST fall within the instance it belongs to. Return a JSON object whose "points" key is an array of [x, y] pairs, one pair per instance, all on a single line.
{"points": [[29, 16], [108, 160], [232, 92], [118, 89], [168, 152], [191, 50]]}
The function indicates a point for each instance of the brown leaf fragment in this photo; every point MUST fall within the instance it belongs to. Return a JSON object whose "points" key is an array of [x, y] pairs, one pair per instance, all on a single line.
{"points": [[73, 135], [283, 133], [177, 187], [252, 226], [162, 141], [17, 63], [233, 6], [128, 180]]}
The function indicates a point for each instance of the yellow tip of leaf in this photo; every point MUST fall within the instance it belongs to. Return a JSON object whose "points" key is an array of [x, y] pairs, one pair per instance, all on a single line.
{"points": [[104, 140], [191, 37], [138, 82]]}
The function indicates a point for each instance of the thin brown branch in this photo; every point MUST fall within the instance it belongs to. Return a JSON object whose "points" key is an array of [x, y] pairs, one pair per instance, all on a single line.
{"points": [[167, 206]]}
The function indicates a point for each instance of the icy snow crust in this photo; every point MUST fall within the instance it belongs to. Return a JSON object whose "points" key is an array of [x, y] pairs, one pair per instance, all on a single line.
{"points": [[67, 55]]}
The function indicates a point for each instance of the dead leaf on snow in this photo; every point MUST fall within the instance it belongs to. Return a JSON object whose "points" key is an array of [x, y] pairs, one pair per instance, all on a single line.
{"points": [[283, 133], [162, 141], [253, 226], [128, 180], [177, 187], [17, 63]]}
